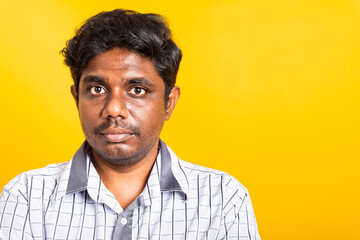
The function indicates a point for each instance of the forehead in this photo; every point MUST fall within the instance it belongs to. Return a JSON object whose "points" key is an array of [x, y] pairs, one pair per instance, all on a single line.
{"points": [[121, 63]]}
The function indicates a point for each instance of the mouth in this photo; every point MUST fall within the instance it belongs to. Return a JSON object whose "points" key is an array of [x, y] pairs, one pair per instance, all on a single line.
{"points": [[116, 135]]}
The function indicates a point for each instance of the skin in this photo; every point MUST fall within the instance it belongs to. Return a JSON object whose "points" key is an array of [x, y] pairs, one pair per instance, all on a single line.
{"points": [[121, 104]]}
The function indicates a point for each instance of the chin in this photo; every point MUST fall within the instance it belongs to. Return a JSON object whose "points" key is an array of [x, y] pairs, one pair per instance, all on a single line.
{"points": [[125, 153], [120, 156], [116, 152]]}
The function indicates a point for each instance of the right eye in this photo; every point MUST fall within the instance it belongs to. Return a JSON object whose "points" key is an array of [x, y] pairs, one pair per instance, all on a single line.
{"points": [[96, 90]]}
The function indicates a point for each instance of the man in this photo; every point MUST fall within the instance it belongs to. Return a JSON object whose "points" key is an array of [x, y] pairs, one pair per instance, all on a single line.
{"points": [[124, 182]]}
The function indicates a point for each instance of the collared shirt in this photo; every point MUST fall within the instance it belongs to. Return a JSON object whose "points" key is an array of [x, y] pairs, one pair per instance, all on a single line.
{"points": [[180, 201]]}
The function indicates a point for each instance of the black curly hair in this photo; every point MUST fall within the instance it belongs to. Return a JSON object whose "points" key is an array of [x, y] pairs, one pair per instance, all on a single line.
{"points": [[146, 34]]}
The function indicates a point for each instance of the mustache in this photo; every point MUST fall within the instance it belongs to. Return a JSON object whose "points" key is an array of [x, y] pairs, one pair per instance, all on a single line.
{"points": [[116, 123]]}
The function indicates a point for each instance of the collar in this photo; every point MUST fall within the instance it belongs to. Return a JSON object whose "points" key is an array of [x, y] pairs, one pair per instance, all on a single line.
{"points": [[167, 179], [75, 176]]}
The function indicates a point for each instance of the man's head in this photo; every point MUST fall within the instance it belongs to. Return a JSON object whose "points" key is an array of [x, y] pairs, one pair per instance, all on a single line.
{"points": [[124, 67], [146, 34]]}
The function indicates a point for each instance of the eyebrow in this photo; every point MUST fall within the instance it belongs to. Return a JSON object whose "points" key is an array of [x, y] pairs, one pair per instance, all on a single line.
{"points": [[141, 81], [92, 78], [101, 80]]}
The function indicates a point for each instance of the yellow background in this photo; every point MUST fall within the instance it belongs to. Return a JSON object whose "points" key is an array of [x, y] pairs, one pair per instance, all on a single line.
{"points": [[270, 94]]}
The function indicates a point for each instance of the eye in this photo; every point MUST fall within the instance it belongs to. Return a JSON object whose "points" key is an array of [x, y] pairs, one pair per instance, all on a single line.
{"points": [[96, 90], [138, 91]]}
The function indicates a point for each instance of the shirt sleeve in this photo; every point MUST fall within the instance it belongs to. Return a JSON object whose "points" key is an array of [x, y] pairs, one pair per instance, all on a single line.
{"points": [[14, 215], [238, 221]]}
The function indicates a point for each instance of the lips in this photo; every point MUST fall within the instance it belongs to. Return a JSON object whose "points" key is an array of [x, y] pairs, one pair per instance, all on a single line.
{"points": [[116, 135]]}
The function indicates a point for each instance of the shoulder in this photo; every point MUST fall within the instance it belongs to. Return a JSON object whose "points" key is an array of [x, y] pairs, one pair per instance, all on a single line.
{"points": [[44, 179], [231, 191], [194, 170]]}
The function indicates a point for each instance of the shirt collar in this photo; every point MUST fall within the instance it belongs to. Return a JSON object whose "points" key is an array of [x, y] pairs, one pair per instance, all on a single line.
{"points": [[76, 178], [167, 179]]}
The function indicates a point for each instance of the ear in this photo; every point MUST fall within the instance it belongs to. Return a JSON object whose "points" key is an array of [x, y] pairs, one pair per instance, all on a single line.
{"points": [[172, 100], [75, 95]]}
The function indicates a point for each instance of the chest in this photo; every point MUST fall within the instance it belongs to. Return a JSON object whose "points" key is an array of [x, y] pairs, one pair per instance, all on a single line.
{"points": [[170, 216]]}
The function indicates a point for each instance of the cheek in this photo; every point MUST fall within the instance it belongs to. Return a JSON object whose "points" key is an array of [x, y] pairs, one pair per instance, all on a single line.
{"points": [[88, 115], [149, 117]]}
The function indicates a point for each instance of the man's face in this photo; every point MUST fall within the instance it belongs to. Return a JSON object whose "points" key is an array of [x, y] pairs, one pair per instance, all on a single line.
{"points": [[121, 106]]}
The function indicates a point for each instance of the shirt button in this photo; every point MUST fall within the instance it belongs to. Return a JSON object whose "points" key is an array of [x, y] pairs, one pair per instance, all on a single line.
{"points": [[123, 221]]}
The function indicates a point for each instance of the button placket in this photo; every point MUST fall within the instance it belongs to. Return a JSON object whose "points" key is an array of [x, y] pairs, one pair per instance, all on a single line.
{"points": [[123, 227], [123, 221]]}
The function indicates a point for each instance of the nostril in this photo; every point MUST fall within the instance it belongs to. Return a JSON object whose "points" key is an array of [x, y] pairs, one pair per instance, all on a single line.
{"points": [[115, 107]]}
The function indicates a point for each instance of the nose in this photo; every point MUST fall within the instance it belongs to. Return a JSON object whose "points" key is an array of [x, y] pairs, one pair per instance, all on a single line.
{"points": [[115, 107]]}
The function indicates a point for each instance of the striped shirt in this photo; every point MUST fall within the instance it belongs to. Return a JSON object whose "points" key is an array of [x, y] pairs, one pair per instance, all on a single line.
{"points": [[180, 201]]}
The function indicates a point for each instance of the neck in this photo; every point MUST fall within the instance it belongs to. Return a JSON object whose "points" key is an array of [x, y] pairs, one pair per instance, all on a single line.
{"points": [[125, 182]]}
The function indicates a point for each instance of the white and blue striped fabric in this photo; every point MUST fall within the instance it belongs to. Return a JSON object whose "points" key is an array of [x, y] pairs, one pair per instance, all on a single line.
{"points": [[180, 201]]}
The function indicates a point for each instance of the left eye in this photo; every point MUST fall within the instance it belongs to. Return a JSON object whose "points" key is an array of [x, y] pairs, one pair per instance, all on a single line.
{"points": [[137, 91], [97, 90]]}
